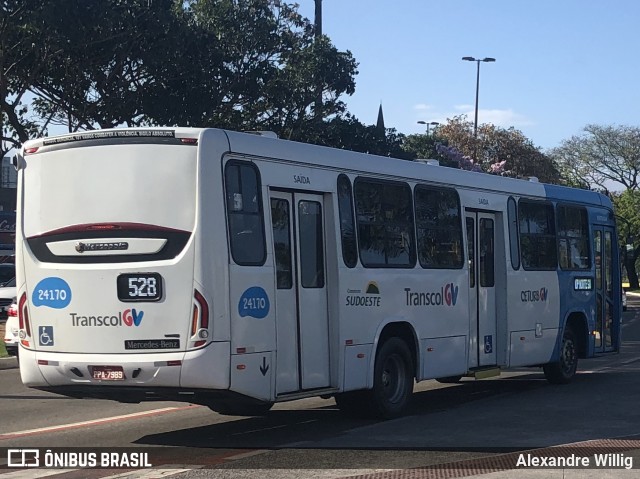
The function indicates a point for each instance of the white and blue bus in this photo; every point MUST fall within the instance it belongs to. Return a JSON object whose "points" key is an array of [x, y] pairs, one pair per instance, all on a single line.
{"points": [[237, 270]]}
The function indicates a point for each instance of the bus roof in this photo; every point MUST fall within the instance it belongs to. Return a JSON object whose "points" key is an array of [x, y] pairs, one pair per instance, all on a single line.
{"points": [[336, 159]]}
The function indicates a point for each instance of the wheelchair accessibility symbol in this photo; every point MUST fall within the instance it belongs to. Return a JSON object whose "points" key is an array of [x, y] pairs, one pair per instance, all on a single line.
{"points": [[46, 336], [488, 344]]}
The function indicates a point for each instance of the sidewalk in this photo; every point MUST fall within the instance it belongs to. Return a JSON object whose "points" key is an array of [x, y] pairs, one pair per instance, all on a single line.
{"points": [[9, 362]]}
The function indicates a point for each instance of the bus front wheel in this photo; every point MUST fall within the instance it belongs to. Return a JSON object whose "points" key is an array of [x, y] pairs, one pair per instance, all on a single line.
{"points": [[563, 370]]}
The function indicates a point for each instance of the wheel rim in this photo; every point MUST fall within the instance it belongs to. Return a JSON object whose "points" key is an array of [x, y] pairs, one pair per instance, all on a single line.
{"points": [[569, 356], [393, 379]]}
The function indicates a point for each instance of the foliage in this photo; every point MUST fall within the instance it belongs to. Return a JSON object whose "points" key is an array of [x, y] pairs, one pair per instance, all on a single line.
{"points": [[497, 150], [602, 156], [246, 64], [347, 132], [627, 206], [22, 54], [455, 157], [427, 147]]}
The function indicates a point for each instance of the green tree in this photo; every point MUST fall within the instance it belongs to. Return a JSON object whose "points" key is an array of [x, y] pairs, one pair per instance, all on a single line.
{"points": [[423, 146], [606, 157], [348, 133], [267, 65], [23, 55], [627, 206], [497, 149], [241, 64]]}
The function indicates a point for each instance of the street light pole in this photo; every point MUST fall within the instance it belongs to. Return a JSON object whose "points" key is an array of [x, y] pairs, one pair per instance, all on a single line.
{"points": [[477, 60], [318, 35], [428, 123]]}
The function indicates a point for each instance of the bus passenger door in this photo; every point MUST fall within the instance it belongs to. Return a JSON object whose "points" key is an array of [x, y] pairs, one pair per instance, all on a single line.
{"points": [[605, 289], [482, 296], [302, 326]]}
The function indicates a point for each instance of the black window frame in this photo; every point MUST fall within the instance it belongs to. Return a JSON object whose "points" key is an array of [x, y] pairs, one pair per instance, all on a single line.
{"points": [[259, 213], [359, 182], [514, 234], [455, 231], [529, 240], [561, 233], [350, 258], [284, 277]]}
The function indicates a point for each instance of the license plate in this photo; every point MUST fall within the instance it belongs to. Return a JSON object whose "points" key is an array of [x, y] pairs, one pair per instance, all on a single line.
{"points": [[107, 373], [139, 287]]}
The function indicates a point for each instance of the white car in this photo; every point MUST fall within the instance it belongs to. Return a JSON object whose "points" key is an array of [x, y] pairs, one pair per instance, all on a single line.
{"points": [[12, 328], [7, 293]]}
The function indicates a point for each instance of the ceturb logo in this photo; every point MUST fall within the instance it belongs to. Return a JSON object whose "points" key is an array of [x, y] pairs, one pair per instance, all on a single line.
{"points": [[128, 317], [448, 295], [533, 296]]}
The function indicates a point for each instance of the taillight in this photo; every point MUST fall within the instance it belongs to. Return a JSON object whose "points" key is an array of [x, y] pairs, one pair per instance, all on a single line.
{"points": [[13, 310], [23, 319], [200, 319]]}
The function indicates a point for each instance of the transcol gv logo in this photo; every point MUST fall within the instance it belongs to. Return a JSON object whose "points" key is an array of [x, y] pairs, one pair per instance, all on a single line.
{"points": [[533, 296], [448, 295], [128, 317]]}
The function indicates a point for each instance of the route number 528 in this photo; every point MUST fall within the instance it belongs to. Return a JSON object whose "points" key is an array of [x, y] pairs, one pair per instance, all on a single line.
{"points": [[140, 287]]}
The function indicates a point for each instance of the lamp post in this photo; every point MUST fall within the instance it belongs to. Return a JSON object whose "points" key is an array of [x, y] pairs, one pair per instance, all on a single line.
{"points": [[428, 123], [318, 35], [477, 60]]}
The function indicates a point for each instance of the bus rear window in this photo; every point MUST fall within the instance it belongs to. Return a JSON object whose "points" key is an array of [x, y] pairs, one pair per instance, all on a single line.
{"points": [[244, 214]]}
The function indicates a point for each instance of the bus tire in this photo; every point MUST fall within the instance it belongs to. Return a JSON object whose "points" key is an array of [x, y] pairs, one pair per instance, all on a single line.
{"points": [[449, 379], [563, 370], [392, 380]]}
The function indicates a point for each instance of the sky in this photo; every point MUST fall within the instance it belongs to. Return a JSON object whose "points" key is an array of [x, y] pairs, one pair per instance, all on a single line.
{"points": [[560, 64]]}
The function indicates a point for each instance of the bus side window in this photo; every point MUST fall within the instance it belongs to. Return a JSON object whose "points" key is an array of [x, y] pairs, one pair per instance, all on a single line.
{"points": [[514, 246], [385, 224], [347, 226], [573, 238], [537, 235], [244, 214], [439, 227]]}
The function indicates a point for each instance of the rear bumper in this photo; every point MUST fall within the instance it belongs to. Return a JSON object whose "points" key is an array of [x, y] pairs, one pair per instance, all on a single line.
{"points": [[206, 368]]}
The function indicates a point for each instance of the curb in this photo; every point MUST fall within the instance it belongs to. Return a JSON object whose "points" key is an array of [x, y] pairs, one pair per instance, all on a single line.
{"points": [[8, 363]]}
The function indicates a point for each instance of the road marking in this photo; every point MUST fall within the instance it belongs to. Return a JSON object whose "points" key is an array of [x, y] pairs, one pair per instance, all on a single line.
{"points": [[34, 473], [244, 455], [93, 422], [165, 471], [154, 473]]}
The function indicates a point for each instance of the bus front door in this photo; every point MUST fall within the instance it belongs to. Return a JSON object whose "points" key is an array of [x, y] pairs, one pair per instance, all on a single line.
{"points": [[302, 326], [482, 292], [606, 290]]}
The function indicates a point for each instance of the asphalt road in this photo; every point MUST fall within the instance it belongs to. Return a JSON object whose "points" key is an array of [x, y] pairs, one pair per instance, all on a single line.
{"points": [[478, 422]]}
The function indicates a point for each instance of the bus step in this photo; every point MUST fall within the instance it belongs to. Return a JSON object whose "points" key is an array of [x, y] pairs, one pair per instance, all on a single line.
{"points": [[486, 373]]}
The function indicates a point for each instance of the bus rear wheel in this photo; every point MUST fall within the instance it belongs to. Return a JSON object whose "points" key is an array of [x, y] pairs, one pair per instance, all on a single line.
{"points": [[563, 370], [392, 381]]}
